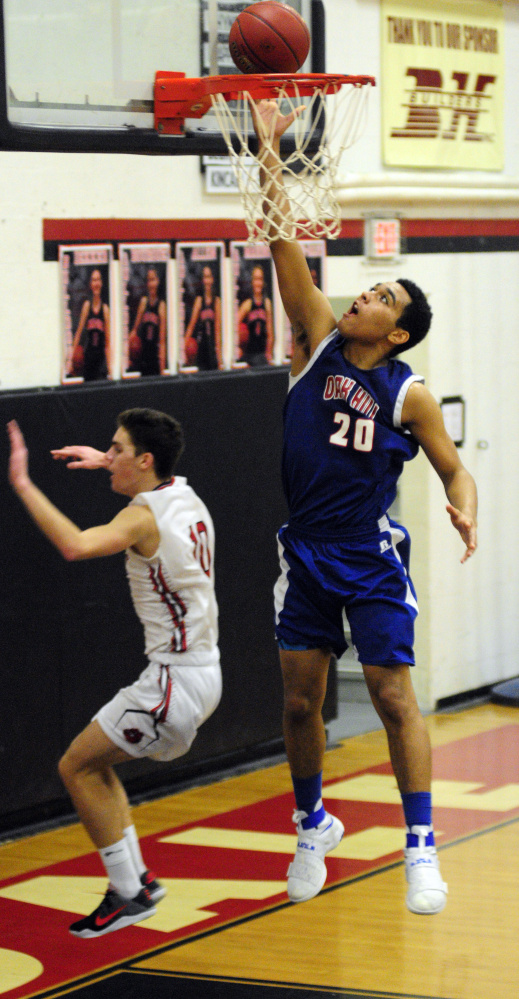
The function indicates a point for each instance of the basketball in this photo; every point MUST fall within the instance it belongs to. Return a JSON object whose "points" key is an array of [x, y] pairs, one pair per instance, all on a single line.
{"points": [[78, 359], [191, 351], [269, 37], [134, 347]]}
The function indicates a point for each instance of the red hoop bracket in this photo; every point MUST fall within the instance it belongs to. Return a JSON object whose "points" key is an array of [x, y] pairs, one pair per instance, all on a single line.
{"points": [[177, 97]]}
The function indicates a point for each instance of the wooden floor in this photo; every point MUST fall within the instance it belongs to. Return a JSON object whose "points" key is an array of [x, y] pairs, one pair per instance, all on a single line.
{"points": [[357, 938]]}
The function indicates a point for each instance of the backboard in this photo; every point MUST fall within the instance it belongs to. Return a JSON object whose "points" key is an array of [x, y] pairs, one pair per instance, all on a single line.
{"points": [[78, 75]]}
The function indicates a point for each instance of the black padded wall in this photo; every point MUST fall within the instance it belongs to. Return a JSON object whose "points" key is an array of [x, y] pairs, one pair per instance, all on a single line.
{"points": [[69, 636]]}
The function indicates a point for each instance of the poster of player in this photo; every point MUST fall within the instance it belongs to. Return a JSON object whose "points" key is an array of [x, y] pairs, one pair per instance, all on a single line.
{"points": [[254, 332], [86, 295], [315, 253], [201, 306], [144, 286]]}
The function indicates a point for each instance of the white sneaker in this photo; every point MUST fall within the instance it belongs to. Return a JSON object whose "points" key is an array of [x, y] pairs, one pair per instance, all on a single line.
{"points": [[427, 893], [307, 872]]}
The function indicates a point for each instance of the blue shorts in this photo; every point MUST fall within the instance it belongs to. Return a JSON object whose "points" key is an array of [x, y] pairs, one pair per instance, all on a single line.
{"points": [[367, 580]]}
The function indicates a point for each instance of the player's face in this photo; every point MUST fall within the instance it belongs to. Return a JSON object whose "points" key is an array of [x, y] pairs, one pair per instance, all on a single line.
{"points": [[375, 313], [207, 277], [258, 281], [96, 282], [152, 282], [123, 464]]}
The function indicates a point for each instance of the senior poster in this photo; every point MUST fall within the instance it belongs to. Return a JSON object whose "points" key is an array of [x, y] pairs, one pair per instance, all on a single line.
{"points": [[315, 253], [87, 308], [442, 81], [254, 311], [145, 301], [201, 306]]}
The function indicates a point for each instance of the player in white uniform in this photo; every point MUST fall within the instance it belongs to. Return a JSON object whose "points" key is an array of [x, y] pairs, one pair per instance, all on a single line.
{"points": [[168, 536]]}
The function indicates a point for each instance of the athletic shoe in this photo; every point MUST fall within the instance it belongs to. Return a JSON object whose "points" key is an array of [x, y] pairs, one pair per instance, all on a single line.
{"points": [[307, 872], [155, 888], [427, 892], [114, 913]]}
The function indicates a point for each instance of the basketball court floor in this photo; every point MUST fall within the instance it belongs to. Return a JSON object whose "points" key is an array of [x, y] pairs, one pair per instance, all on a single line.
{"points": [[226, 928]]}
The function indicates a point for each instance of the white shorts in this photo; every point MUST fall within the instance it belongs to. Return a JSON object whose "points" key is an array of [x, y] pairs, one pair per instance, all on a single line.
{"points": [[159, 714]]}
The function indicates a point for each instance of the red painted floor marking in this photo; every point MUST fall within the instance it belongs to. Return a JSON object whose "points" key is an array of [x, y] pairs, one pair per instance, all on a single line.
{"points": [[491, 758]]}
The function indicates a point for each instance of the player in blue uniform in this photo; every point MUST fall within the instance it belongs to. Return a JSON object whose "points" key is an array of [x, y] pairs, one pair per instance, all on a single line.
{"points": [[354, 413]]}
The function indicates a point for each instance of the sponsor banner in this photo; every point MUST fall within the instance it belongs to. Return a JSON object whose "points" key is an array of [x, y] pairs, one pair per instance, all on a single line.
{"points": [[442, 82]]}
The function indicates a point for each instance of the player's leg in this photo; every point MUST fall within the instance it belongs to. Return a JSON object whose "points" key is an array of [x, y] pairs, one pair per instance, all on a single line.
{"points": [[102, 805], [307, 629], [394, 699], [305, 673]]}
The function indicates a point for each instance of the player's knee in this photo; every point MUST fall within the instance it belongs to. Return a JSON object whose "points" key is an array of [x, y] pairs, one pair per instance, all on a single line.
{"points": [[299, 706], [394, 705]]}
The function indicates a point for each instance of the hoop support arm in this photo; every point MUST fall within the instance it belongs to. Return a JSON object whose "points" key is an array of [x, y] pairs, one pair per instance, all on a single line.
{"points": [[177, 97]]}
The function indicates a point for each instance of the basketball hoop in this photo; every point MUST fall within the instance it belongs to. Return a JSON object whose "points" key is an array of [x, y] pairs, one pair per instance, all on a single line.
{"points": [[333, 120]]}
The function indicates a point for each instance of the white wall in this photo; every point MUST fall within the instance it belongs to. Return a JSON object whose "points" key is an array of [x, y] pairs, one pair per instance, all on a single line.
{"points": [[467, 630]]}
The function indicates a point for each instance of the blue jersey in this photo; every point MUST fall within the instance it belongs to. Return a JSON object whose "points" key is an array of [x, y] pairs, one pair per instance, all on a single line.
{"points": [[344, 444]]}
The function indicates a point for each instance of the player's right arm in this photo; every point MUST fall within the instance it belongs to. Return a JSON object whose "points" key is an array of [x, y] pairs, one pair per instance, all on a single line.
{"points": [[308, 310], [138, 317], [133, 526]]}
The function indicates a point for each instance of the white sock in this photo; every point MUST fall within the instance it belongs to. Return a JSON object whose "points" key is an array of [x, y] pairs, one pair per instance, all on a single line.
{"points": [[130, 835], [121, 868]]}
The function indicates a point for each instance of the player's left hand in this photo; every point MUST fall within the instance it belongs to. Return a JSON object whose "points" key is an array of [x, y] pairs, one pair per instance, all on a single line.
{"points": [[80, 456], [467, 529], [19, 458]]}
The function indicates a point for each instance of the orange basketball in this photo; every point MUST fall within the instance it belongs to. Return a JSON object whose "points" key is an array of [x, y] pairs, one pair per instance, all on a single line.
{"points": [[78, 359], [134, 347], [243, 334], [191, 351], [269, 37]]}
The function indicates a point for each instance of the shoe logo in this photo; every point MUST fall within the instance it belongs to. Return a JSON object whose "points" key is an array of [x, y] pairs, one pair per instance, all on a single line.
{"points": [[102, 920], [422, 860], [301, 845]]}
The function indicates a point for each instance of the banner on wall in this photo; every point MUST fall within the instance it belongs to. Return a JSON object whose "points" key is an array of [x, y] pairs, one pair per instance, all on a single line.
{"points": [[201, 334], [254, 342], [145, 300], [315, 253], [442, 78], [86, 296]]}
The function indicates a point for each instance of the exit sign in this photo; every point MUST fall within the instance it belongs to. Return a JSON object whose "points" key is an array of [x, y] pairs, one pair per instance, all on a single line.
{"points": [[382, 238]]}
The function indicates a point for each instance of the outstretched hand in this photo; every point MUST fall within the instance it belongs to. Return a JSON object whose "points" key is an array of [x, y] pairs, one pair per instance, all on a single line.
{"points": [[467, 529], [19, 458], [268, 121], [80, 456]]}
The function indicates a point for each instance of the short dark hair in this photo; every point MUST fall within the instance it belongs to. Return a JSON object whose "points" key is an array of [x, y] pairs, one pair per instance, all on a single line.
{"points": [[156, 432], [416, 316]]}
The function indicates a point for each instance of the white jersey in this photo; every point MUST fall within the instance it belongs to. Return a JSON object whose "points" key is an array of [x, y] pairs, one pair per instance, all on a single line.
{"points": [[173, 592]]}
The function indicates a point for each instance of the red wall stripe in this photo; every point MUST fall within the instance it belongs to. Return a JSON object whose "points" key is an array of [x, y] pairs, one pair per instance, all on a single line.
{"points": [[152, 230]]}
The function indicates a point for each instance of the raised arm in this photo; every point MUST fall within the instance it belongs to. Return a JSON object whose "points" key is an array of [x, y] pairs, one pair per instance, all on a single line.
{"points": [[132, 526], [422, 415], [308, 310]]}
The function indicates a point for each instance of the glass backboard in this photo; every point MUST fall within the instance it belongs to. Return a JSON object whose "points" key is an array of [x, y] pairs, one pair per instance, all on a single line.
{"points": [[79, 75]]}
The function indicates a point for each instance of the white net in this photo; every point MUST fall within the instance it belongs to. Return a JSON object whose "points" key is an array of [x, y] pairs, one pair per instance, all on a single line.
{"points": [[333, 120]]}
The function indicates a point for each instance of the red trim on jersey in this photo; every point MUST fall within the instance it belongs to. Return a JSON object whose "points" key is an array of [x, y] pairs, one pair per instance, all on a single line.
{"points": [[175, 606], [163, 706]]}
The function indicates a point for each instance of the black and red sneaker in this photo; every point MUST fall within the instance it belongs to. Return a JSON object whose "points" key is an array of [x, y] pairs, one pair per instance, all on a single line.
{"points": [[155, 888], [114, 913]]}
